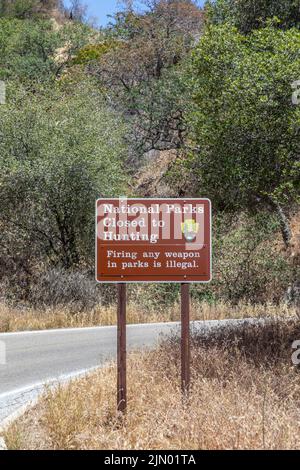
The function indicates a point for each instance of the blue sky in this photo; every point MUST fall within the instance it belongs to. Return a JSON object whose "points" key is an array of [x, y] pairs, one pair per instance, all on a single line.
{"points": [[101, 8]]}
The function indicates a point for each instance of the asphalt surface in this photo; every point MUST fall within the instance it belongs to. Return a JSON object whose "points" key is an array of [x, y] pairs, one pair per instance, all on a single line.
{"points": [[36, 358]]}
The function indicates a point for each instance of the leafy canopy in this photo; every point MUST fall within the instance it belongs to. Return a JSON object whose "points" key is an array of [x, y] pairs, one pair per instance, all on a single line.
{"points": [[245, 126], [248, 15], [52, 170]]}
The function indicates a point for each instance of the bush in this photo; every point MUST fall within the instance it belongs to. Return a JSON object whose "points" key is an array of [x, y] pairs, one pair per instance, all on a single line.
{"points": [[75, 290], [92, 52], [154, 296], [247, 262]]}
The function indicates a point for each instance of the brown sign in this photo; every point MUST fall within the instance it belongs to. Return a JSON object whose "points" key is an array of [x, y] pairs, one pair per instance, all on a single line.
{"points": [[153, 240]]}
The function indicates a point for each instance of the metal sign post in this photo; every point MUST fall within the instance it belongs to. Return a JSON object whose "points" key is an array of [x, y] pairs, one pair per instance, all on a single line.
{"points": [[121, 349], [185, 338]]}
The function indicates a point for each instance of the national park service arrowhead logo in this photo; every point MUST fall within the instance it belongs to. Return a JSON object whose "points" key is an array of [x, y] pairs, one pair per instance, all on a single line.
{"points": [[190, 228]]}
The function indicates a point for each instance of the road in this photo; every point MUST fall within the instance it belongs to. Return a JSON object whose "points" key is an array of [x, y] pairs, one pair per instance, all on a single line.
{"points": [[39, 357]]}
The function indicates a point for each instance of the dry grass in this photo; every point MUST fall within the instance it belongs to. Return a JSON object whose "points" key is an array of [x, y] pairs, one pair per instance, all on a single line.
{"points": [[245, 395], [21, 319]]}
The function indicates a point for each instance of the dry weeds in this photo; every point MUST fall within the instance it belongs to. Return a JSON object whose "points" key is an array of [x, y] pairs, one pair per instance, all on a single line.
{"points": [[21, 319], [243, 396]]}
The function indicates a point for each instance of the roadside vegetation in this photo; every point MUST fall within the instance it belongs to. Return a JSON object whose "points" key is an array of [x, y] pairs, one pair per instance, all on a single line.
{"points": [[244, 395], [28, 319]]}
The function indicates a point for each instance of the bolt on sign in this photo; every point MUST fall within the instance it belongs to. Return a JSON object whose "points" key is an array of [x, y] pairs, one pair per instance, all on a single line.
{"points": [[153, 240]]}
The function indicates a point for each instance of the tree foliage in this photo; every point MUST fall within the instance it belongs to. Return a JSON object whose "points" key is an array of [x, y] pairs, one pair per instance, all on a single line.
{"points": [[27, 8], [208, 93], [140, 72], [245, 126], [53, 169], [32, 52], [248, 15]]}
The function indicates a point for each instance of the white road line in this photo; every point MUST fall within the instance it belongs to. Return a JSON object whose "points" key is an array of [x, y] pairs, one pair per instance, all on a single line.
{"points": [[50, 381], [35, 391], [88, 328], [131, 325]]}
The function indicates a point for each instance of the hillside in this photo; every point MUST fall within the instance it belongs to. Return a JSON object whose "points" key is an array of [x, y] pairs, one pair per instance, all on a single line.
{"points": [[173, 101]]}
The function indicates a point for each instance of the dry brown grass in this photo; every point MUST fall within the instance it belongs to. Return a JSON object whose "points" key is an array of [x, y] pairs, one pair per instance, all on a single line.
{"points": [[21, 319], [243, 396]]}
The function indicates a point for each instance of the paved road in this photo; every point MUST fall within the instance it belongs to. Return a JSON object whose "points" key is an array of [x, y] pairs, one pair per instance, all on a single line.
{"points": [[39, 357], [35, 358]]}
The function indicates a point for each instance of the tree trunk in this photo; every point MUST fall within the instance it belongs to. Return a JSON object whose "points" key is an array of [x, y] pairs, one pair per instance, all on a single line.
{"points": [[292, 296], [284, 225]]}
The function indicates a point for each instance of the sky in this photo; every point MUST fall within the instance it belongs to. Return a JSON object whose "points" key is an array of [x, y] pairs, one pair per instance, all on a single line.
{"points": [[101, 8]]}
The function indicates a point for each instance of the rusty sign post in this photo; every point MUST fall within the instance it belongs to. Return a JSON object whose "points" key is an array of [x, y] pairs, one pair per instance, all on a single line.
{"points": [[185, 338], [121, 349], [153, 240]]}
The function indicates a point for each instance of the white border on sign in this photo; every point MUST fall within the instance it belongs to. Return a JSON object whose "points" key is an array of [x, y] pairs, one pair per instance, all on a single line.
{"points": [[154, 199]]}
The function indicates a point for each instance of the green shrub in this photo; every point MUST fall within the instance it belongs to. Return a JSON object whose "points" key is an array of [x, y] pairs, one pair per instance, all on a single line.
{"points": [[92, 52], [247, 262]]}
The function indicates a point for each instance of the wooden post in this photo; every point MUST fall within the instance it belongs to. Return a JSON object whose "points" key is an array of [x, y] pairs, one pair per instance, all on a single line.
{"points": [[185, 338], [121, 349]]}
